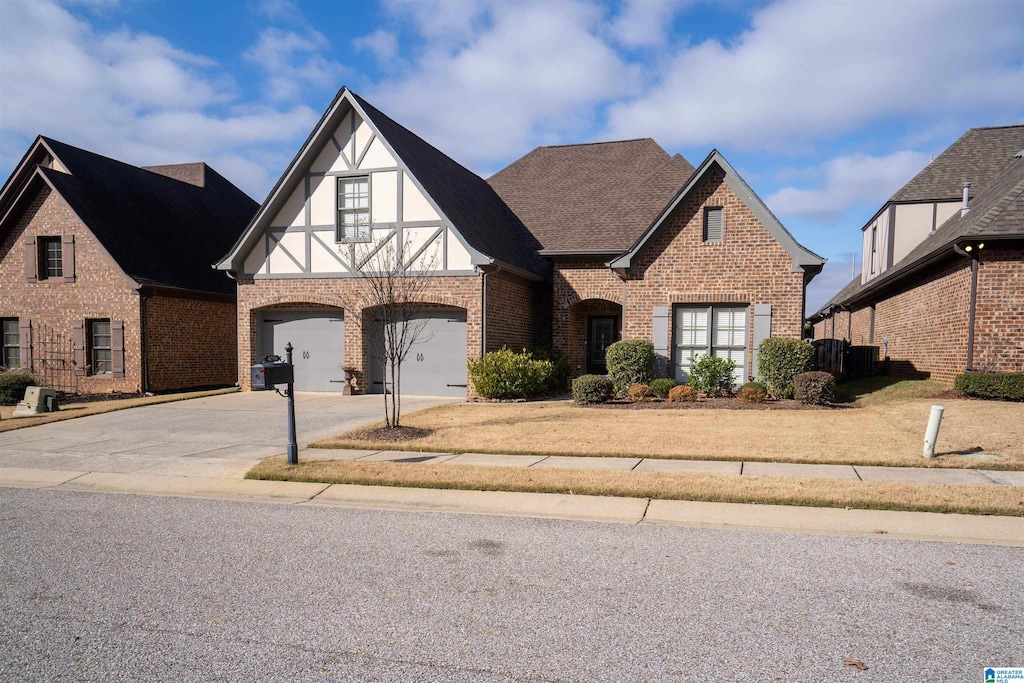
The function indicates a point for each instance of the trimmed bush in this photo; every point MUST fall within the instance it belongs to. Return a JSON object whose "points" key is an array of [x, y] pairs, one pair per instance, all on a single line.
{"points": [[640, 392], [749, 394], [662, 386], [591, 389], [999, 386], [814, 388], [713, 375], [506, 374], [779, 360], [682, 394], [756, 385], [560, 367], [630, 361], [13, 385]]}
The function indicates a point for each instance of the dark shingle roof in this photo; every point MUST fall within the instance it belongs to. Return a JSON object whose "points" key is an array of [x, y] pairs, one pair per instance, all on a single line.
{"points": [[616, 188], [159, 230], [477, 212], [977, 158]]}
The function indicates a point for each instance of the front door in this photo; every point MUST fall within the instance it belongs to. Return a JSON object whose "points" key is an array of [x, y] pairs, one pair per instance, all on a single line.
{"points": [[602, 332]]}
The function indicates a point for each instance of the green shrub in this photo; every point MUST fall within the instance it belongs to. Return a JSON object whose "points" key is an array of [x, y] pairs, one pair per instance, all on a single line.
{"points": [[814, 388], [630, 361], [662, 386], [590, 389], [713, 375], [506, 374], [640, 392], [756, 384], [682, 394], [560, 367], [1000, 386], [13, 385], [779, 360], [750, 394]]}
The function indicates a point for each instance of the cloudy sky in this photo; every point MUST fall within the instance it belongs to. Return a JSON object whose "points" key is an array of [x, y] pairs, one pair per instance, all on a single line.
{"points": [[825, 107]]}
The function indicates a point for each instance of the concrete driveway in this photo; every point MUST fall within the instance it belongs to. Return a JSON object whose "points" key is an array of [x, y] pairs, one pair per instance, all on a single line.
{"points": [[216, 436]]}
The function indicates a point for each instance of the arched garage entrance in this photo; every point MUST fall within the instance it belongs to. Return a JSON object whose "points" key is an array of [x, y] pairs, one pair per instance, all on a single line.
{"points": [[436, 363]]}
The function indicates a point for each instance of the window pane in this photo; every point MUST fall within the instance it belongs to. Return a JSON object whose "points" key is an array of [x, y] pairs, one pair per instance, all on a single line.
{"points": [[730, 327], [54, 261]]}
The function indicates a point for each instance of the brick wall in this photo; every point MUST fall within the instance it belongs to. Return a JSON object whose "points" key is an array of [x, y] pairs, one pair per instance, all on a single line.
{"points": [[343, 293], [190, 343], [747, 267], [100, 290], [511, 313], [999, 313]]}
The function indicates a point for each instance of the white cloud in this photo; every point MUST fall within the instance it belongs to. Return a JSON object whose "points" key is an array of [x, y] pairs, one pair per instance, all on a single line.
{"points": [[132, 96], [809, 70], [292, 62], [848, 182], [454, 21], [533, 75], [643, 23], [383, 44], [278, 9]]}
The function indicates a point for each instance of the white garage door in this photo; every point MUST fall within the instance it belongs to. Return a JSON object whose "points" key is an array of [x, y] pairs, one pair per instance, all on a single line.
{"points": [[318, 339], [436, 364]]}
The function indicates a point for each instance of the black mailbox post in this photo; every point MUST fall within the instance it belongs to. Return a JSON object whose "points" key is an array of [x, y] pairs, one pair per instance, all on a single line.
{"points": [[266, 376]]}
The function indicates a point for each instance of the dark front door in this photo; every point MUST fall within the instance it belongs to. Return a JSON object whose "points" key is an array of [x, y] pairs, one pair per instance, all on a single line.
{"points": [[602, 332]]}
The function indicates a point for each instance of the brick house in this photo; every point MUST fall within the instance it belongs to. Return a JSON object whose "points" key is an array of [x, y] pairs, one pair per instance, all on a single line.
{"points": [[104, 269], [942, 284], [571, 247]]}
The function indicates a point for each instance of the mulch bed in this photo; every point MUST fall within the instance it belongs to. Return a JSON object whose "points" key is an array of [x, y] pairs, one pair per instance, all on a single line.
{"points": [[96, 398], [394, 434], [713, 404]]}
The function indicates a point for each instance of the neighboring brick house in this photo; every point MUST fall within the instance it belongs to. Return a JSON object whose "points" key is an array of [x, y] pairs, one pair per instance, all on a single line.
{"points": [[571, 247], [942, 287], [104, 269]]}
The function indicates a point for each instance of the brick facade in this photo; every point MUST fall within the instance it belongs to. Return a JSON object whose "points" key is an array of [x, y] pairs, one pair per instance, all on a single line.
{"points": [[190, 342], [999, 313], [464, 291], [513, 312], [101, 290], [747, 267]]}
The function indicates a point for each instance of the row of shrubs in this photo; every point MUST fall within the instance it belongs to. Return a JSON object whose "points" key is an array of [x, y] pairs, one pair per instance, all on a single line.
{"points": [[813, 388], [999, 386]]}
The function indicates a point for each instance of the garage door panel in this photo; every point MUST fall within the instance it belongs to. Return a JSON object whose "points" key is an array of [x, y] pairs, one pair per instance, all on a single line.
{"points": [[436, 363], [319, 346]]}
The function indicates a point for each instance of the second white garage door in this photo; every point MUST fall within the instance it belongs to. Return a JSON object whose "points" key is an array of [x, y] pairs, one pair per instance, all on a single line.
{"points": [[436, 364]]}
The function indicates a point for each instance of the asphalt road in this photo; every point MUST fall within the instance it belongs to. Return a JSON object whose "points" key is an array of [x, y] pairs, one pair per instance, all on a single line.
{"points": [[131, 588]]}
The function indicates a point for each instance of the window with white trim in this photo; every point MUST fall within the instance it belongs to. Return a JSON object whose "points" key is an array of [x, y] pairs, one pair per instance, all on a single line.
{"points": [[353, 209], [714, 224], [710, 330], [11, 358], [100, 347]]}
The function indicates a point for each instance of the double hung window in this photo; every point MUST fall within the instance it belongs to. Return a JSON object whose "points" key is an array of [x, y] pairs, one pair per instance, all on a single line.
{"points": [[353, 209], [710, 330]]}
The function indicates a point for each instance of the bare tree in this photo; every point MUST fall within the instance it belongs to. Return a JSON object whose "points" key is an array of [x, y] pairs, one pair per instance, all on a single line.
{"points": [[390, 289]]}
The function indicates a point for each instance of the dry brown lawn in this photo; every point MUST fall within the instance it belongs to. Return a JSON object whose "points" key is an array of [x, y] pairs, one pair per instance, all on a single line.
{"points": [[72, 410], [995, 500], [888, 433]]}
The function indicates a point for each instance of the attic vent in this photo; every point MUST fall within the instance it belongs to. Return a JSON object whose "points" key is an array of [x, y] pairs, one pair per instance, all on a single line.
{"points": [[714, 224]]}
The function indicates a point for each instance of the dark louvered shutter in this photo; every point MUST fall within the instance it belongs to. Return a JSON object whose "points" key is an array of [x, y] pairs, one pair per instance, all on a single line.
{"points": [[79, 346], [25, 343], [31, 260], [117, 348], [714, 225], [68, 257]]}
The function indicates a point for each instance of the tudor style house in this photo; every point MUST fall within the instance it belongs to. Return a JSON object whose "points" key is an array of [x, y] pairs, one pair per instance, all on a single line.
{"points": [[572, 247], [104, 269], [942, 283]]}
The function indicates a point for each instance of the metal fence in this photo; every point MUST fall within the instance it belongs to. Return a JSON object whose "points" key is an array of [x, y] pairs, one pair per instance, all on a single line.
{"points": [[840, 357], [53, 359]]}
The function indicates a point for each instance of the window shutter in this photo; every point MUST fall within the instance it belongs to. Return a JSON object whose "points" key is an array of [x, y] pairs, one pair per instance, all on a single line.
{"points": [[31, 260], [659, 336], [68, 257], [714, 225], [25, 343], [79, 346], [117, 348], [762, 330]]}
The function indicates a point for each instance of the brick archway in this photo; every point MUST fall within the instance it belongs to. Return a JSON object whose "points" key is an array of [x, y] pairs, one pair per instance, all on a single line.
{"points": [[575, 342]]}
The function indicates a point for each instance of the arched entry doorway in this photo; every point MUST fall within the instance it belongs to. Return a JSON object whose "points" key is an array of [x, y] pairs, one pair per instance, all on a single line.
{"points": [[594, 325]]}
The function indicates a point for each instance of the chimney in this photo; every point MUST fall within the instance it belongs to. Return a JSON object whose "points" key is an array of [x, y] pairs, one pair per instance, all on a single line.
{"points": [[966, 207]]}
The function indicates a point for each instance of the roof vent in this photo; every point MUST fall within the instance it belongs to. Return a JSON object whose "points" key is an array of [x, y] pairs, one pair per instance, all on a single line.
{"points": [[966, 207], [1019, 154]]}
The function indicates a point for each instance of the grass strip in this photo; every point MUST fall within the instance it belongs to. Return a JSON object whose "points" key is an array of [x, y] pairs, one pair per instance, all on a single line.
{"points": [[71, 411], [721, 488]]}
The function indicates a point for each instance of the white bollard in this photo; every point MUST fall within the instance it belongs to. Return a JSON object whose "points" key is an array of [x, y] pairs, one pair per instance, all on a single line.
{"points": [[931, 434]]}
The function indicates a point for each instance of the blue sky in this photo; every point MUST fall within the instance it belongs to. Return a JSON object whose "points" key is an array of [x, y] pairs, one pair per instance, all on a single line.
{"points": [[826, 108]]}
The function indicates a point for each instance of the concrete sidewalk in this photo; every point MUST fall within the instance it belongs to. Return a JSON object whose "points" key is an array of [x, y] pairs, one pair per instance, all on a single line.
{"points": [[915, 475], [990, 530]]}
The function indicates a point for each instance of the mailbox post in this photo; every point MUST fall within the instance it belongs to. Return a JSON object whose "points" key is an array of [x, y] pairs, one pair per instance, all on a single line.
{"points": [[266, 376], [293, 447]]}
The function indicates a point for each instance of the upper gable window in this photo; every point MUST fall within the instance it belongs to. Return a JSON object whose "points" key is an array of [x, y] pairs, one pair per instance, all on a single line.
{"points": [[51, 258], [353, 209], [714, 224]]}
